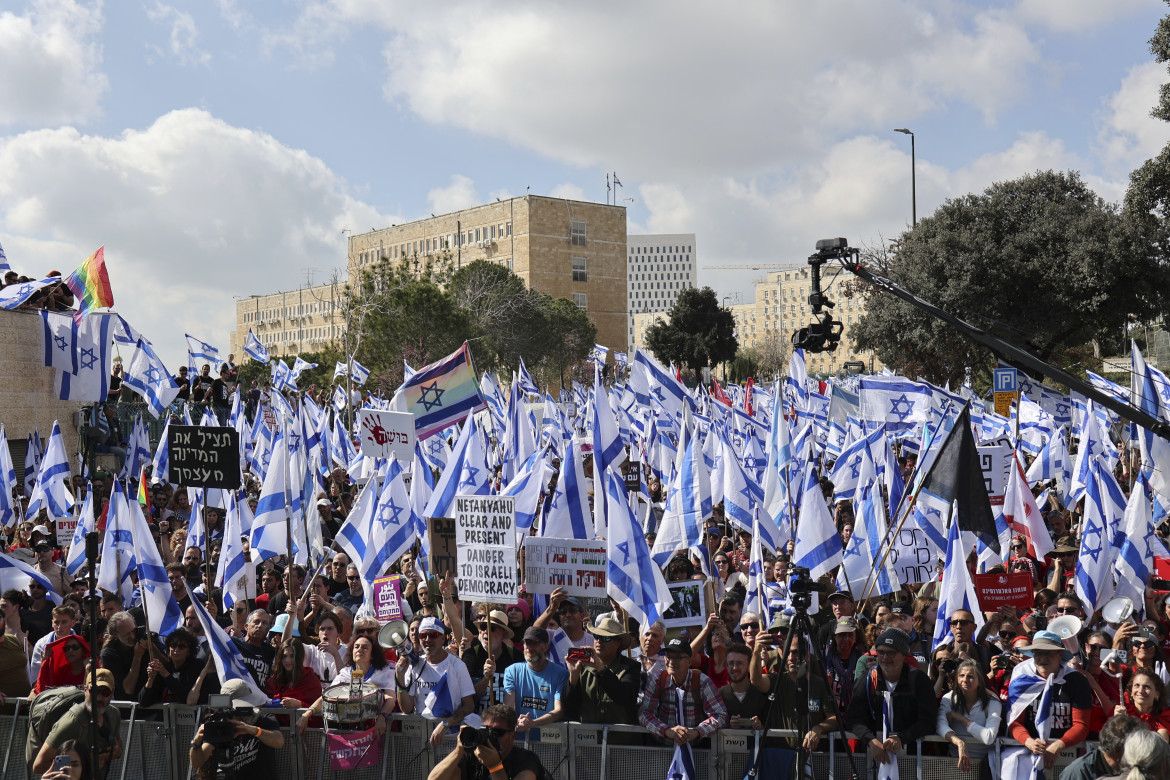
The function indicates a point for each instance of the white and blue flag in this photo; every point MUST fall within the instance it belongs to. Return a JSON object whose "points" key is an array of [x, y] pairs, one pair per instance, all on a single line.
{"points": [[147, 376], [254, 349]]}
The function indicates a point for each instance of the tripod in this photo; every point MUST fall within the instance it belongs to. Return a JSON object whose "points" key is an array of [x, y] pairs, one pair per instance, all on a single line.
{"points": [[801, 627]]}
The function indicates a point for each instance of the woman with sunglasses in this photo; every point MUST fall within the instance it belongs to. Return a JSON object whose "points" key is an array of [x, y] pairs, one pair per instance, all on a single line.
{"points": [[1104, 678], [1145, 652], [64, 663], [21, 538], [728, 576], [171, 679]]}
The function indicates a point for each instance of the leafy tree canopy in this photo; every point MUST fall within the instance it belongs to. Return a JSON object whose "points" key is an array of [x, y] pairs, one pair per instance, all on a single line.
{"points": [[698, 334], [1040, 261]]}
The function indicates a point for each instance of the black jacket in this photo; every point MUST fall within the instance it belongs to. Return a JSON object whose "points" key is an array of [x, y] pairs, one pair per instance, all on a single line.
{"points": [[915, 706]]}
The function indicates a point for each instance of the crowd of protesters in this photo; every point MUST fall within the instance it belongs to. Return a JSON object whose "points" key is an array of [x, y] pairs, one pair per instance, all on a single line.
{"points": [[543, 660]]}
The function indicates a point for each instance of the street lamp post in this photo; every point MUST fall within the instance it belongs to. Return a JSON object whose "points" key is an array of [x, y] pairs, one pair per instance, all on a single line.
{"points": [[913, 183]]}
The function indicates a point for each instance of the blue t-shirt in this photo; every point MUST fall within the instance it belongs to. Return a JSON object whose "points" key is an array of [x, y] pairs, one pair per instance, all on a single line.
{"points": [[536, 692]]}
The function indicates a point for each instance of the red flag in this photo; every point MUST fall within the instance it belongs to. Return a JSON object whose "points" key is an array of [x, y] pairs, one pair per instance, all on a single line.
{"points": [[747, 398], [718, 394]]}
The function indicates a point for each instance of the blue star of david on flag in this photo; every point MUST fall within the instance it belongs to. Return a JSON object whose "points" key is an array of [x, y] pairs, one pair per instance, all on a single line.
{"points": [[469, 480], [389, 514], [62, 343], [902, 406], [88, 358], [436, 400]]}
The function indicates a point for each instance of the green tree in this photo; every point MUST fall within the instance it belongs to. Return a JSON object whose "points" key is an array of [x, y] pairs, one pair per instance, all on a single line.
{"points": [[699, 333], [1040, 261], [563, 339]]}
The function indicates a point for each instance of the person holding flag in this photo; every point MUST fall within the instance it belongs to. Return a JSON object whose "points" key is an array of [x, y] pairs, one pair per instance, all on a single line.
{"points": [[438, 685], [1048, 707]]}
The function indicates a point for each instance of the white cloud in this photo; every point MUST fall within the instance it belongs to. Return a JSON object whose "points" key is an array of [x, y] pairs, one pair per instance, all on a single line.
{"points": [[1079, 15], [459, 194], [190, 210], [1129, 135], [184, 35], [568, 191], [681, 86], [50, 61]]}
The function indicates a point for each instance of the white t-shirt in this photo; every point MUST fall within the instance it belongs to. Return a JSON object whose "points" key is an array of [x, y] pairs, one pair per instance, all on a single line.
{"points": [[458, 683], [383, 678], [321, 662]]}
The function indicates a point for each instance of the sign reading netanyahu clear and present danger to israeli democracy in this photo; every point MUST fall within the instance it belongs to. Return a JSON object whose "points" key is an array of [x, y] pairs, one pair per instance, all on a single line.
{"points": [[485, 545]]}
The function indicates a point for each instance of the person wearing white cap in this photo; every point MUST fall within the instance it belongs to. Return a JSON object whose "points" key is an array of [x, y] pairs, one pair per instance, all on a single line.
{"points": [[437, 671]]}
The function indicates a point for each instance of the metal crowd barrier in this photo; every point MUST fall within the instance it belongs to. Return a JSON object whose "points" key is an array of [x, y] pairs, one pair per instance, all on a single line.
{"points": [[155, 743]]}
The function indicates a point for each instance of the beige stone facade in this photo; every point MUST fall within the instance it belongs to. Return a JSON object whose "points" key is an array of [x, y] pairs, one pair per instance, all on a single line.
{"points": [[289, 323], [566, 248], [27, 398]]}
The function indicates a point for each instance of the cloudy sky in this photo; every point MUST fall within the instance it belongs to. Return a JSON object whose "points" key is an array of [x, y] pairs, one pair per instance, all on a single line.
{"points": [[222, 148]]}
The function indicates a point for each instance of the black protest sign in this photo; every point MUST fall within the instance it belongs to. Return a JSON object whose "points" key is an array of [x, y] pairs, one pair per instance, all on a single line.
{"points": [[203, 457]]}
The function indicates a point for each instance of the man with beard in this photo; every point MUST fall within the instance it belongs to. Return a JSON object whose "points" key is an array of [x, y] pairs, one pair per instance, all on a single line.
{"points": [[490, 656], [534, 687], [125, 656], [802, 704], [74, 725], [745, 704], [912, 701], [841, 659]]}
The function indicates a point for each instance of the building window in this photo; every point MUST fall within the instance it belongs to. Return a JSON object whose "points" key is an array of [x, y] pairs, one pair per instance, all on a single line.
{"points": [[582, 300], [509, 234], [577, 233], [579, 271]]}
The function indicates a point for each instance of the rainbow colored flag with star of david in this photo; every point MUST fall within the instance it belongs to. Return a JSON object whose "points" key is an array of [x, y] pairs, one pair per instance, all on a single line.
{"points": [[442, 394], [91, 284]]}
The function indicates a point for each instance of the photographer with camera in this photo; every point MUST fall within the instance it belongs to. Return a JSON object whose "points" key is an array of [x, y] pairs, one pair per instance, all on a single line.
{"points": [[235, 740], [126, 655], [490, 752]]}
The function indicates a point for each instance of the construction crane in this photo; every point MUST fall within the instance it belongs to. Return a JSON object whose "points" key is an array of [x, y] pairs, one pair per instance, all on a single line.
{"points": [[751, 267]]}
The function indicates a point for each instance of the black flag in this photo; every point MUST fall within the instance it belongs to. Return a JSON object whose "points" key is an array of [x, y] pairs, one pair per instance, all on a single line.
{"points": [[956, 476]]}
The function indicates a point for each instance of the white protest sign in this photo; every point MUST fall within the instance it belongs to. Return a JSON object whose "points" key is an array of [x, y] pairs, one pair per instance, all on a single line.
{"points": [[65, 528], [577, 565], [995, 461], [912, 557], [386, 433], [485, 548]]}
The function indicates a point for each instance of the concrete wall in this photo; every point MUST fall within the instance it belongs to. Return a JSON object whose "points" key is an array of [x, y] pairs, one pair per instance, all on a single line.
{"points": [[27, 400]]}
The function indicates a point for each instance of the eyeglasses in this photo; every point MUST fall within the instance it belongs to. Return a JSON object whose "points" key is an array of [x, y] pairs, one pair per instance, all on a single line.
{"points": [[605, 640], [751, 625], [1065, 610], [105, 693], [1018, 546], [721, 562], [72, 646], [961, 622], [883, 653], [1096, 648]]}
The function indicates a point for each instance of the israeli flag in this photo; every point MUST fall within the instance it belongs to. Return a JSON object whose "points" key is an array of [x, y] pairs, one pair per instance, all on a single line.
{"points": [[235, 574], [1155, 449], [1135, 560], [201, 350], [529, 482], [300, 367], [688, 505], [16, 575], [383, 536], [818, 545], [59, 334], [4, 266], [254, 349], [91, 380], [359, 372], [163, 613], [568, 517], [1104, 509], [51, 491], [598, 354], [117, 560], [17, 294], [229, 664], [269, 528], [527, 383], [777, 491], [85, 525], [8, 508], [160, 466], [443, 497], [634, 581], [957, 591], [138, 450], [147, 376]]}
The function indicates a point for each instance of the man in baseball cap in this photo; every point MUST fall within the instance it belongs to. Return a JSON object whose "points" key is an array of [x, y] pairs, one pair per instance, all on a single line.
{"points": [[534, 687], [913, 700], [415, 682]]}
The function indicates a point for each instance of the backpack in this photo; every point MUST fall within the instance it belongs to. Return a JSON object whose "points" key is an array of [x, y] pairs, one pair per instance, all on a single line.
{"points": [[50, 706]]}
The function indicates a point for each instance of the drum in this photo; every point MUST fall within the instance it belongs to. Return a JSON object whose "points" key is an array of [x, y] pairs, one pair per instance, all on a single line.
{"points": [[338, 707]]}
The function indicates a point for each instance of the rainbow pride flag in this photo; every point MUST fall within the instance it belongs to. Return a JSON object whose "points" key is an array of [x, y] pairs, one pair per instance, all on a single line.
{"points": [[143, 493], [441, 394], [91, 284]]}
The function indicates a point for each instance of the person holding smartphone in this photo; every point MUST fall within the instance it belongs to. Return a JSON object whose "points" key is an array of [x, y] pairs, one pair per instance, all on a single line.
{"points": [[70, 764], [603, 684]]}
